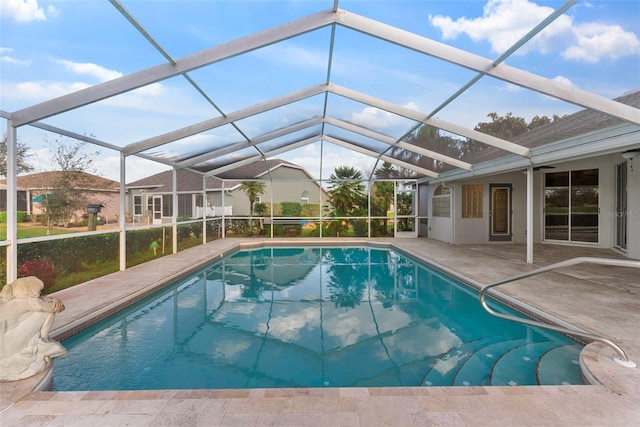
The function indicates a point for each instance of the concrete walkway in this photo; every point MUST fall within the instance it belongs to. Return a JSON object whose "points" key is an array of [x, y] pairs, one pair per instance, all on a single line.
{"points": [[599, 299]]}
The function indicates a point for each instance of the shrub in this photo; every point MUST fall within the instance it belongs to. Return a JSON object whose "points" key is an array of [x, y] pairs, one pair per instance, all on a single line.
{"points": [[42, 268], [21, 216], [291, 209]]}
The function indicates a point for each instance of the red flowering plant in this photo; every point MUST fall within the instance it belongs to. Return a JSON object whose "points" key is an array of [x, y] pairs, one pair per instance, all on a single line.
{"points": [[42, 268]]}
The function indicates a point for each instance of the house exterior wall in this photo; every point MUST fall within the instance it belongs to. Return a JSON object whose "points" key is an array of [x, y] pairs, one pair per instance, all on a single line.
{"points": [[439, 228], [460, 230], [288, 186], [476, 230], [109, 200]]}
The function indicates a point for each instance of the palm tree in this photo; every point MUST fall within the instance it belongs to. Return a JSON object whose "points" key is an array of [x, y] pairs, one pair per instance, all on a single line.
{"points": [[261, 210], [345, 188], [347, 194], [252, 189], [384, 189]]}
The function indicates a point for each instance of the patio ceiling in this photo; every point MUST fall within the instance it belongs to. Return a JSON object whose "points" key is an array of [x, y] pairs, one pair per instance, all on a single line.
{"points": [[320, 105]]}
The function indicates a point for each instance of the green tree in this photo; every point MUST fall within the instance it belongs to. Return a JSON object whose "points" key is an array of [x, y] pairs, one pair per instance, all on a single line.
{"points": [[431, 138], [346, 189], [261, 210], [506, 127], [21, 158], [66, 189], [347, 196], [252, 189], [384, 189]]}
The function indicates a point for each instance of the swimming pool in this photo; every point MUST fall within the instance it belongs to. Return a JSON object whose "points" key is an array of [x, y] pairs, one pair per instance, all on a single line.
{"points": [[312, 317]]}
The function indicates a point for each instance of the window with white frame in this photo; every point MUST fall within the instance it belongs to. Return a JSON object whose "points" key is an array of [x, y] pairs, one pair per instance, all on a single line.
{"points": [[441, 202], [137, 205]]}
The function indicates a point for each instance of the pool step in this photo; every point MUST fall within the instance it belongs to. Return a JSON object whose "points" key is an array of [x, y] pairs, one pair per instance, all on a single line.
{"points": [[444, 371], [560, 365], [476, 370], [518, 366], [496, 361]]}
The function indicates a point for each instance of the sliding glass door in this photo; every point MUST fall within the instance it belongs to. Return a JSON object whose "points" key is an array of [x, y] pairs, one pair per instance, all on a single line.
{"points": [[571, 206], [621, 206]]}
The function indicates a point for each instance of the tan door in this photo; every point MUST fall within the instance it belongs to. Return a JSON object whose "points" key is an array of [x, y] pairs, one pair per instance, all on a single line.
{"points": [[500, 212]]}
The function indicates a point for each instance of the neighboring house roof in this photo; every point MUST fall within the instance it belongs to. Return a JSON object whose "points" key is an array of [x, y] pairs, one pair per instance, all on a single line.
{"points": [[580, 123], [84, 180], [189, 181], [257, 169]]}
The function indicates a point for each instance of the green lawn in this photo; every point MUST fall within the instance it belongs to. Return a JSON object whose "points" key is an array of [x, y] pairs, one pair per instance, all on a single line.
{"points": [[26, 230]]}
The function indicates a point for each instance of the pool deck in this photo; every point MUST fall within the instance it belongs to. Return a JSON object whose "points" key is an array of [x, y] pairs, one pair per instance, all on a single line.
{"points": [[599, 299]]}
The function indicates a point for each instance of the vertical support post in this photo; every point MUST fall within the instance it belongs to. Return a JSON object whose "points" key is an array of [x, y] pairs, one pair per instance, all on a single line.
{"points": [[530, 214], [204, 209], [271, 207], [395, 208], [273, 190], [224, 212], [369, 207], [320, 186], [174, 211], [122, 214], [12, 203]]}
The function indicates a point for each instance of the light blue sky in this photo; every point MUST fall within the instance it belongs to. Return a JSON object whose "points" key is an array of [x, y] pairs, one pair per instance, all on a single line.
{"points": [[50, 48]]}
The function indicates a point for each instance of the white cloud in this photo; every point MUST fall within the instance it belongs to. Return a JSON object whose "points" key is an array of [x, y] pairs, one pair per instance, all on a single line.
{"points": [[562, 79], [505, 21], [87, 68], [24, 10], [52, 11], [375, 118], [10, 59], [41, 90], [596, 41]]}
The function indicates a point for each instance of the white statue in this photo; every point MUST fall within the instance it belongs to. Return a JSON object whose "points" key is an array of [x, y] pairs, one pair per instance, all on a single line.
{"points": [[25, 322]]}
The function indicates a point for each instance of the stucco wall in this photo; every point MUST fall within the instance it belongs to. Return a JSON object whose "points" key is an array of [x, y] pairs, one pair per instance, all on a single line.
{"points": [[476, 231], [288, 186]]}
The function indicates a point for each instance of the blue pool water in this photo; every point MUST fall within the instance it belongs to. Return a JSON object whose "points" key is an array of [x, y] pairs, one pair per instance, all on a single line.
{"points": [[312, 317]]}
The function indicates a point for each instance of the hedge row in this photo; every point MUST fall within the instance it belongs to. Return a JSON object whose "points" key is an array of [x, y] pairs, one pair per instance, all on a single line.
{"points": [[21, 216]]}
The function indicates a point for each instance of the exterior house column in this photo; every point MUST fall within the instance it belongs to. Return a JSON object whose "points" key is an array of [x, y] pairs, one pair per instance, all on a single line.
{"points": [[530, 214]]}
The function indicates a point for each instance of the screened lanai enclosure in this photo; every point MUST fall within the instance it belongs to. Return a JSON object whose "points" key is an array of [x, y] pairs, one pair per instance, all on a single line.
{"points": [[287, 119]]}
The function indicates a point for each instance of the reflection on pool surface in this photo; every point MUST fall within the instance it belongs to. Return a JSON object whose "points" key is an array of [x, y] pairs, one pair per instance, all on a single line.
{"points": [[312, 317]]}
